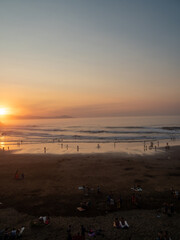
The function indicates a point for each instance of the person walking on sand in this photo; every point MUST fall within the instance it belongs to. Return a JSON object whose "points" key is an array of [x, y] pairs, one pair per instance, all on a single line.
{"points": [[17, 175], [44, 149], [98, 189]]}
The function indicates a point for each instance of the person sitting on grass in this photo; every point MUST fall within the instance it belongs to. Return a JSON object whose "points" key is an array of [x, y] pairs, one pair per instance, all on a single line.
{"points": [[123, 223]]}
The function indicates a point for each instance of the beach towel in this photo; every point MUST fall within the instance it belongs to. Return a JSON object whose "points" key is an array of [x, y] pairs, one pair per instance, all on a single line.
{"points": [[81, 209], [138, 189]]}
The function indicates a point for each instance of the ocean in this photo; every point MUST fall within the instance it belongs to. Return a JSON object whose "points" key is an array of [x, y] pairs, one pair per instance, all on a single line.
{"points": [[86, 135]]}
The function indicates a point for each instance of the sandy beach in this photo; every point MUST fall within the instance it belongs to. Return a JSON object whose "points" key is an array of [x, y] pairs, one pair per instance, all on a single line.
{"points": [[51, 187]]}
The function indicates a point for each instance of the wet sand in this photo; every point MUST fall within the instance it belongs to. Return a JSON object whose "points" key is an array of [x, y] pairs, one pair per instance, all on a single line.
{"points": [[51, 182]]}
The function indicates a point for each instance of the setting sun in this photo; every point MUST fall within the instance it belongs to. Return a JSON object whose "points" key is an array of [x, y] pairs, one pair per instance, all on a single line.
{"points": [[3, 111]]}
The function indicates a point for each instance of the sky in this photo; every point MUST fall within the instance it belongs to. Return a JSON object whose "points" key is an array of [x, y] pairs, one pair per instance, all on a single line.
{"points": [[87, 58]]}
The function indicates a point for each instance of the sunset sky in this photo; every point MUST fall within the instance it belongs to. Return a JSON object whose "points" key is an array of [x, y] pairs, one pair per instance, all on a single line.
{"points": [[90, 57]]}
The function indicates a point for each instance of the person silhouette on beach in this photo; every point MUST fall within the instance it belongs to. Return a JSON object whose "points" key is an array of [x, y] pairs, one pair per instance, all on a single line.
{"points": [[17, 175], [44, 149]]}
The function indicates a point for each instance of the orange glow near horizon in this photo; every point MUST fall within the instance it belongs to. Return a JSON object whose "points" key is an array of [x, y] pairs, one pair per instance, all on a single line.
{"points": [[97, 108]]}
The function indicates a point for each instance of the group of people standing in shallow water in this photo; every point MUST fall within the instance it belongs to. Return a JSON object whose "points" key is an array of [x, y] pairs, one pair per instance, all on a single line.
{"points": [[45, 149], [151, 146]]}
